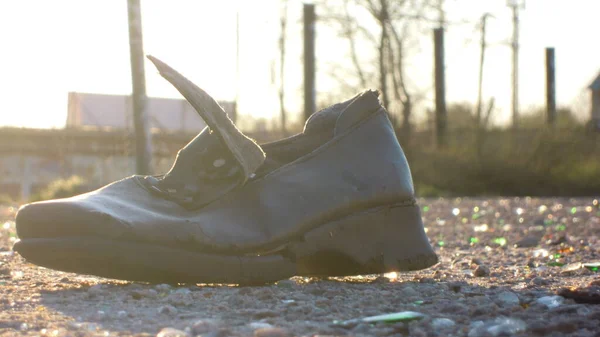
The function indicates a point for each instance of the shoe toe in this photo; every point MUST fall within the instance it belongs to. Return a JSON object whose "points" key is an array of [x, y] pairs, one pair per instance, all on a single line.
{"points": [[57, 218]]}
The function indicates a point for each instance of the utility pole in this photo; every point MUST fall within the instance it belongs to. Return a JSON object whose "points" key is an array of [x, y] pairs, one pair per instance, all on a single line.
{"points": [[143, 140], [440, 88], [309, 61], [516, 5], [480, 89], [550, 86]]}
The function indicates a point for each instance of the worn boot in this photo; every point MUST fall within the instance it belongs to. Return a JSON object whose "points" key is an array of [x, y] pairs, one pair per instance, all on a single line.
{"points": [[334, 200]]}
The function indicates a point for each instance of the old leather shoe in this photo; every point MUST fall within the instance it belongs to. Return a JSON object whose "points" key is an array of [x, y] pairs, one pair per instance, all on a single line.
{"points": [[334, 200]]}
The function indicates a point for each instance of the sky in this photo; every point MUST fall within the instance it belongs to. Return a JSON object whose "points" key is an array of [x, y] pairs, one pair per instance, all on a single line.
{"points": [[52, 47]]}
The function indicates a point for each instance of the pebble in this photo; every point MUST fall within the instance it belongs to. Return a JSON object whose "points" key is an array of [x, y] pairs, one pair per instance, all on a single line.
{"points": [[442, 323], [271, 332], [571, 267], [122, 314], [416, 331], [95, 290], [171, 332], [265, 314], [527, 242], [497, 327], [167, 310], [476, 261], [162, 287], [221, 332], [181, 297], [260, 325], [508, 298], [381, 280], [203, 326], [482, 271], [455, 308], [551, 301], [100, 315], [409, 292], [287, 284], [539, 281], [456, 286], [143, 293]]}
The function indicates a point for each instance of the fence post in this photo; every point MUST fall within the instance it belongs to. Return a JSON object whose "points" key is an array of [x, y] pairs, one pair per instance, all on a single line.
{"points": [[440, 88], [309, 60], [143, 140], [550, 86]]}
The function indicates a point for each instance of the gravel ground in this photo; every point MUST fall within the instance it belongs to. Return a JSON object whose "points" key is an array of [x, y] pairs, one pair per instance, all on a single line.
{"points": [[507, 267]]}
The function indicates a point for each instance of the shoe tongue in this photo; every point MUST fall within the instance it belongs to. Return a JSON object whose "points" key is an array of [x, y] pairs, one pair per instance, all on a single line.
{"points": [[246, 152], [342, 115]]}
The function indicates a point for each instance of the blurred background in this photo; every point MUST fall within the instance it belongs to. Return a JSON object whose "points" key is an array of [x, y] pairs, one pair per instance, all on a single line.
{"points": [[488, 97]]}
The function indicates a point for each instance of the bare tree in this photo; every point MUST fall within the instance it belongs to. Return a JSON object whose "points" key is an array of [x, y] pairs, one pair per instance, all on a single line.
{"points": [[393, 19]]}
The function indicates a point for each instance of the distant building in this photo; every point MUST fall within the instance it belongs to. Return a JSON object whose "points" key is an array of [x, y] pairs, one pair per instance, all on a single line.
{"points": [[116, 111], [595, 89]]}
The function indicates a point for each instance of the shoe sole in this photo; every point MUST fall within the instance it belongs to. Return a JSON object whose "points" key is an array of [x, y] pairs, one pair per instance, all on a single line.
{"points": [[380, 240]]}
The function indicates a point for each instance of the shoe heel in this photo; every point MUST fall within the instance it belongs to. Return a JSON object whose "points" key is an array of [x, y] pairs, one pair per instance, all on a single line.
{"points": [[381, 240]]}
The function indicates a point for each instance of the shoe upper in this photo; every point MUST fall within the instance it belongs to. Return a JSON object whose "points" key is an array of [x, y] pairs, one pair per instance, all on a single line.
{"points": [[225, 193]]}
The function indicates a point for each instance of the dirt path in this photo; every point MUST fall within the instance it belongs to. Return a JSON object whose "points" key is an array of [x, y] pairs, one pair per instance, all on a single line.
{"points": [[483, 286]]}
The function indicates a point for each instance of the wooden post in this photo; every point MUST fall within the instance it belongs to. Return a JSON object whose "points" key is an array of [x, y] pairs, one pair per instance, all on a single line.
{"points": [[550, 86], [440, 88], [516, 5], [143, 141], [309, 60], [282, 42], [481, 59]]}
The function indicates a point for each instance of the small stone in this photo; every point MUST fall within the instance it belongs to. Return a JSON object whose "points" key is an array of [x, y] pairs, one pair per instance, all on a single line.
{"points": [[381, 280], [203, 326], [551, 301], [590, 294], [245, 291], [455, 286], [171, 332], [508, 298], [271, 332], [497, 327], [288, 284], [482, 271], [100, 315], [409, 292], [442, 323], [539, 281], [138, 294], [476, 261], [162, 287], [455, 308], [181, 297], [527, 242], [95, 290], [167, 310], [65, 280], [265, 314], [363, 329], [260, 325], [416, 331], [571, 267], [221, 332], [122, 314]]}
